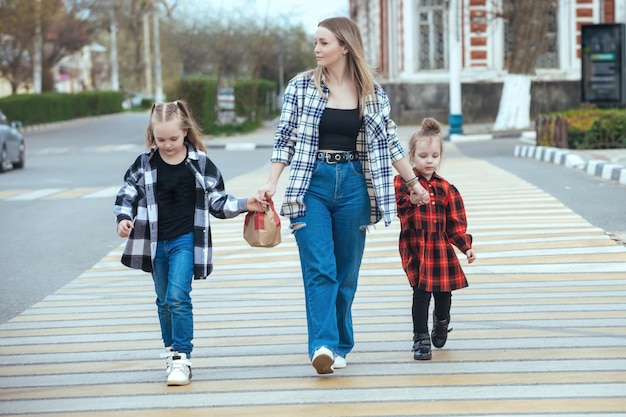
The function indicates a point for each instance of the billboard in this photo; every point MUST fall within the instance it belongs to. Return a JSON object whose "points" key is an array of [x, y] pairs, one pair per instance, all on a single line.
{"points": [[603, 52]]}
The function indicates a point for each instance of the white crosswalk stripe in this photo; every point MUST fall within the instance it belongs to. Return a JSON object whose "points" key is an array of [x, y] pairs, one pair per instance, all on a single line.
{"points": [[540, 331], [59, 193]]}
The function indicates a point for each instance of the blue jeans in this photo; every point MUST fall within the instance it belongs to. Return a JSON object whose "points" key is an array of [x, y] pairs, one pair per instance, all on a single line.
{"points": [[331, 239], [172, 275]]}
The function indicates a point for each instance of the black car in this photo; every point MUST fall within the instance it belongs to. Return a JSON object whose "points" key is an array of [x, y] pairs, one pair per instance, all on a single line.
{"points": [[12, 146]]}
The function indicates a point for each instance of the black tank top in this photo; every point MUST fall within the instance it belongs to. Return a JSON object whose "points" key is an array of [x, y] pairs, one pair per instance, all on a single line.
{"points": [[339, 129]]}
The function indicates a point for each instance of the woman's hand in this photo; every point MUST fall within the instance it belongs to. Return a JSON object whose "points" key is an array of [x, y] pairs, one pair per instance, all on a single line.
{"points": [[268, 189]]}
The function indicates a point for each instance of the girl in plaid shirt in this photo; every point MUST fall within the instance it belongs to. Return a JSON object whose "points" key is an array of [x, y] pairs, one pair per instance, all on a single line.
{"points": [[427, 234], [163, 209]]}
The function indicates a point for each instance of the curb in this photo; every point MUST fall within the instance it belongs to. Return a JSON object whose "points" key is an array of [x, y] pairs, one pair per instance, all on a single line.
{"points": [[528, 134], [241, 146], [595, 167], [64, 123]]}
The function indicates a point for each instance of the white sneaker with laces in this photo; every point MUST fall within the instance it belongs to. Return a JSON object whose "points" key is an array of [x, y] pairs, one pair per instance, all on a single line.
{"points": [[323, 360], [180, 371], [340, 362], [169, 352]]}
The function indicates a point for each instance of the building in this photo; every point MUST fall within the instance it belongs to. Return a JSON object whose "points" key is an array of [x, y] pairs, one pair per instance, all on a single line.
{"points": [[408, 42]]}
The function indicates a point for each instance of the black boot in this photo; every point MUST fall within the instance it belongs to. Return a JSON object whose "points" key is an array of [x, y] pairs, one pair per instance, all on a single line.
{"points": [[421, 347], [440, 331]]}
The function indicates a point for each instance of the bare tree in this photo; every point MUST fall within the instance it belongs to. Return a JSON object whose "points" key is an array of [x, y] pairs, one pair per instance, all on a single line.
{"points": [[65, 28], [528, 20]]}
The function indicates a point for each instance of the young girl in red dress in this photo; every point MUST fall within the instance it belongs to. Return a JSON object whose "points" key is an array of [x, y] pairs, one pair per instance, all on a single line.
{"points": [[427, 233]]}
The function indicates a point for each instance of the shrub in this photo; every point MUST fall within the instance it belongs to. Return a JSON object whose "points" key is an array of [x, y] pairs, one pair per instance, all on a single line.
{"points": [[587, 128], [606, 132], [33, 109], [199, 93]]}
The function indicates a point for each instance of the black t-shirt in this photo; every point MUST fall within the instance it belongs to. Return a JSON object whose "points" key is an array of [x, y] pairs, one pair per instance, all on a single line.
{"points": [[176, 198], [339, 129]]}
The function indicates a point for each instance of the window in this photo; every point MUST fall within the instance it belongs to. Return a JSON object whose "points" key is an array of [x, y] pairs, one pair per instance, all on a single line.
{"points": [[550, 59], [432, 41]]}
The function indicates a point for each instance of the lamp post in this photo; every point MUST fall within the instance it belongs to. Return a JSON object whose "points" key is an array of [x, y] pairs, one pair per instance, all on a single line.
{"points": [[455, 51]]}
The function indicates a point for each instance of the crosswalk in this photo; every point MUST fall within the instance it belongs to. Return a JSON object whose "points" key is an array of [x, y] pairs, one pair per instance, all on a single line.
{"points": [[540, 331], [66, 150], [59, 193]]}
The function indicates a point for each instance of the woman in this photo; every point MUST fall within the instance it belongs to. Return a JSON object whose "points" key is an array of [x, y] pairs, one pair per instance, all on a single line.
{"points": [[336, 134]]}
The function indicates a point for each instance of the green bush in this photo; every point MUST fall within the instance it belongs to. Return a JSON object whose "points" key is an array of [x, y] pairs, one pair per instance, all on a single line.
{"points": [[606, 132], [589, 128], [200, 94], [32, 109], [253, 98]]}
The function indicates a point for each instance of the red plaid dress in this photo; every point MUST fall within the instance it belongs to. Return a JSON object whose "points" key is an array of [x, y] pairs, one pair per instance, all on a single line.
{"points": [[428, 232]]}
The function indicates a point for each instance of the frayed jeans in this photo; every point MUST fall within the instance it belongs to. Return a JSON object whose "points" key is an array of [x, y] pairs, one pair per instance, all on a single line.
{"points": [[173, 274], [331, 240]]}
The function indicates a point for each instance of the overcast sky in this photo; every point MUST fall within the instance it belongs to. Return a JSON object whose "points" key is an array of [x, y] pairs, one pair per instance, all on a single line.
{"points": [[307, 12]]}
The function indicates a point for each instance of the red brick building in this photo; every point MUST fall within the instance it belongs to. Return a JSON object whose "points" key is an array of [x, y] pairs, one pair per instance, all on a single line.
{"points": [[407, 41]]}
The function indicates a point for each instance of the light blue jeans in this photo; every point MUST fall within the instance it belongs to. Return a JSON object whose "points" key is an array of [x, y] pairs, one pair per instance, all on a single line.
{"points": [[173, 274], [331, 239]]}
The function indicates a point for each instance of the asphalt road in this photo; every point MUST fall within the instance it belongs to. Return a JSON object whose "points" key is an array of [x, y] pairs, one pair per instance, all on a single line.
{"points": [[48, 242], [601, 202]]}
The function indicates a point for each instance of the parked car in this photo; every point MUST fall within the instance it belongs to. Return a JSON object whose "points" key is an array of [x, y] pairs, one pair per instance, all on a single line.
{"points": [[12, 145], [137, 100], [226, 99]]}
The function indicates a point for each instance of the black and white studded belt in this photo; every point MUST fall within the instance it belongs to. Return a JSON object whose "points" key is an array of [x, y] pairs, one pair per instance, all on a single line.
{"points": [[337, 157]]}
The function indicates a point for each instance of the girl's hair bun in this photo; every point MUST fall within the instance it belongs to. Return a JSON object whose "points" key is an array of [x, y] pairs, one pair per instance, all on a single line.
{"points": [[430, 126]]}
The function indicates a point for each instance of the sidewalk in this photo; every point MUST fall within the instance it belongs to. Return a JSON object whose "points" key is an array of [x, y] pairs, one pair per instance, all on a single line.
{"points": [[609, 164]]}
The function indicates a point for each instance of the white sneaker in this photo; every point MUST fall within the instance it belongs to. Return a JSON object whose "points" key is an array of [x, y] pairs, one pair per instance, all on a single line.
{"points": [[180, 371], [340, 362], [323, 360], [169, 352]]}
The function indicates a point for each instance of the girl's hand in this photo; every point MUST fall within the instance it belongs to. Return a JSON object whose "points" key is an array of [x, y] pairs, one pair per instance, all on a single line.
{"points": [[255, 203], [419, 195], [124, 227], [471, 256]]}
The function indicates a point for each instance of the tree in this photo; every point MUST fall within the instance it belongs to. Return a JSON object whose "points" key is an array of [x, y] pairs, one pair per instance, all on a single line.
{"points": [[528, 20], [18, 22], [65, 29]]}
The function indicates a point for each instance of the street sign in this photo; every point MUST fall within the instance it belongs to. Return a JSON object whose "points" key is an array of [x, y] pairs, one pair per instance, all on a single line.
{"points": [[603, 55]]}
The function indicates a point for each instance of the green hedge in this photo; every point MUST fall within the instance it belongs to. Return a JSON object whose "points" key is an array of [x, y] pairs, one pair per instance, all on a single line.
{"points": [[32, 109], [200, 94], [587, 128], [245, 103]]}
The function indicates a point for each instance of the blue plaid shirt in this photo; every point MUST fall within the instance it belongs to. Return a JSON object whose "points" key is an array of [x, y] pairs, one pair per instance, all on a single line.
{"points": [[296, 144]]}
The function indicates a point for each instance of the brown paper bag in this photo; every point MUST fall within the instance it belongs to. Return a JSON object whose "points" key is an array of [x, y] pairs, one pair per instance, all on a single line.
{"points": [[262, 229]]}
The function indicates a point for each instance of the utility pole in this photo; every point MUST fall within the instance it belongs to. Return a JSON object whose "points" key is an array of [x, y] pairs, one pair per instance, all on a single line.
{"points": [[146, 53], [158, 86], [115, 79], [281, 74], [454, 37], [37, 47]]}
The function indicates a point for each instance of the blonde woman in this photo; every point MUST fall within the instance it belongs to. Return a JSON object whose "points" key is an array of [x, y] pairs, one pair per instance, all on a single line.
{"points": [[336, 134]]}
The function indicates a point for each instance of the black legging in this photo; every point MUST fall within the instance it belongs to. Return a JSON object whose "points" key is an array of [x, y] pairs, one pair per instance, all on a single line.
{"points": [[421, 302]]}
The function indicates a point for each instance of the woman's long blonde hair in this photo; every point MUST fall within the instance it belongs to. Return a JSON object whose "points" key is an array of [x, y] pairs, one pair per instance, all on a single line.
{"points": [[348, 34], [165, 112]]}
